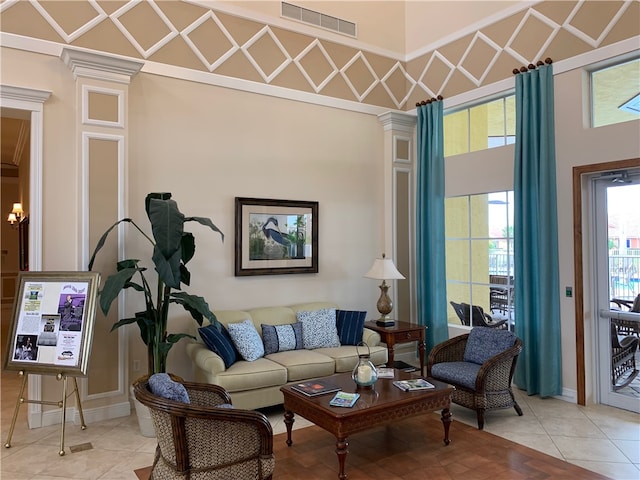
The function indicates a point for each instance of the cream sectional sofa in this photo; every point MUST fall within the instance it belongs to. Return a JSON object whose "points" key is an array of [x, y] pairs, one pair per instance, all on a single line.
{"points": [[257, 384]]}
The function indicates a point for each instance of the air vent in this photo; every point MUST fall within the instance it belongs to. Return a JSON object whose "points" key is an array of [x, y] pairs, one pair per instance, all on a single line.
{"points": [[318, 19]]}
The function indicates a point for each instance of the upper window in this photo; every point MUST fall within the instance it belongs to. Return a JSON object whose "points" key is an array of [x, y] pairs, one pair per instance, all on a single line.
{"points": [[615, 94], [488, 125]]}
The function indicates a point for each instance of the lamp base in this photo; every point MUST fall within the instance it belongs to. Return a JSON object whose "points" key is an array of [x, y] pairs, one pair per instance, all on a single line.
{"points": [[385, 322]]}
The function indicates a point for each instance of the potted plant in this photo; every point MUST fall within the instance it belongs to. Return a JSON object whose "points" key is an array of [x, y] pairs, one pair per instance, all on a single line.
{"points": [[172, 250]]}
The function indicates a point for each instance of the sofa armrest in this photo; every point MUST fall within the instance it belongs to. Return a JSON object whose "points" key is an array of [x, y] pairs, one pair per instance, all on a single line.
{"points": [[204, 358], [371, 338]]}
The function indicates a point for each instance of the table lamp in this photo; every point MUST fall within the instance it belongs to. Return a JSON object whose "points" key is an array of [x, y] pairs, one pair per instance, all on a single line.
{"points": [[384, 269]]}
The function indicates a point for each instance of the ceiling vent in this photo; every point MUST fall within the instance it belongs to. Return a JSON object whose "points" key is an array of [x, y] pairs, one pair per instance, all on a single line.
{"points": [[318, 19]]}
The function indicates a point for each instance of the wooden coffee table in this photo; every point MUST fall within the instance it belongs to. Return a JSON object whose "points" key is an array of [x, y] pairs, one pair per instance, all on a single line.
{"points": [[383, 404]]}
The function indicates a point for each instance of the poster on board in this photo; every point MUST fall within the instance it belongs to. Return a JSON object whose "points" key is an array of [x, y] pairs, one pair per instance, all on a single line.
{"points": [[52, 323]]}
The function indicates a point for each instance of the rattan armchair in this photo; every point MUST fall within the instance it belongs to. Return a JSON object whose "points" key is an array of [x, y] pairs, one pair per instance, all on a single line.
{"points": [[623, 358], [479, 317], [480, 387], [204, 441]]}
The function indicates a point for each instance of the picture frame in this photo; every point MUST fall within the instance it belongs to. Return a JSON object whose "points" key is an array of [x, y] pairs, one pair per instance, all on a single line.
{"points": [[275, 237], [51, 330]]}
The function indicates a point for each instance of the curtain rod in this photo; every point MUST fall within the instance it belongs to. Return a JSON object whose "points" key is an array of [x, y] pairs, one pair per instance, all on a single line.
{"points": [[524, 69], [425, 102]]}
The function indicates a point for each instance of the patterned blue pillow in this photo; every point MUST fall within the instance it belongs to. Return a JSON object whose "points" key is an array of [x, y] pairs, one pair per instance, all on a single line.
{"points": [[246, 339], [485, 342], [280, 338], [319, 328], [162, 386], [219, 341], [350, 324]]}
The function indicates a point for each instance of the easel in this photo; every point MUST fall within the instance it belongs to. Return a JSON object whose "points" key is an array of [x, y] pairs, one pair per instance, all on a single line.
{"points": [[62, 404]]}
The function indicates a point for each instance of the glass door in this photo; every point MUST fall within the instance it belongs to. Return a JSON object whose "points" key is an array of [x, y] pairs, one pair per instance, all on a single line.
{"points": [[617, 283]]}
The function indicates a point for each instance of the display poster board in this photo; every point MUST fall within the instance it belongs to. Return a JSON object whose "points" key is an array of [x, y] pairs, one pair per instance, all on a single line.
{"points": [[52, 324]]}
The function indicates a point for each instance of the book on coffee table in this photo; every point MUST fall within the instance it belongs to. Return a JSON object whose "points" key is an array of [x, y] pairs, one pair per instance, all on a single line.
{"points": [[413, 384], [315, 387], [344, 399]]}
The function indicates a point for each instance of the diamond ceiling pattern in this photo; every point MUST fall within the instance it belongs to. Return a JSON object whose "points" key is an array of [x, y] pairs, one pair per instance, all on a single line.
{"points": [[240, 48]]}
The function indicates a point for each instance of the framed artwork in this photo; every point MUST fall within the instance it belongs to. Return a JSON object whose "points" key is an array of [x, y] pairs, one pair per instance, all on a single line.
{"points": [[276, 237], [52, 324]]}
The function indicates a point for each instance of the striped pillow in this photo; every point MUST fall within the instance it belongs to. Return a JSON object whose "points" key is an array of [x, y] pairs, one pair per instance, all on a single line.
{"points": [[219, 341], [350, 324]]}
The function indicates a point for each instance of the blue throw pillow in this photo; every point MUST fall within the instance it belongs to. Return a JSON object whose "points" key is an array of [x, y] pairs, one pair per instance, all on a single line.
{"points": [[319, 328], [247, 340], [350, 324], [280, 338], [485, 342], [219, 341], [162, 386]]}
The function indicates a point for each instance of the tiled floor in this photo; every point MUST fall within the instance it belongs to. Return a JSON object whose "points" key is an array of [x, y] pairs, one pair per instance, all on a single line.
{"points": [[599, 438]]}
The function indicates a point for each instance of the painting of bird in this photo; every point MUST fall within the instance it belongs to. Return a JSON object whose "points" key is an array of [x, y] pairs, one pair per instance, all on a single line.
{"points": [[272, 231]]}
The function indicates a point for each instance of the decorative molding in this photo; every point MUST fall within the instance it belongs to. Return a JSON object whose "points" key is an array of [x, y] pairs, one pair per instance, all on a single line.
{"points": [[100, 66], [24, 94], [401, 121], [86, 90]]}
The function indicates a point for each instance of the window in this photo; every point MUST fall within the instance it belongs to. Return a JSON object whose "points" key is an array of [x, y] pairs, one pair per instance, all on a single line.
{"points": [[488, 125], [615, 94], [479, 250]]}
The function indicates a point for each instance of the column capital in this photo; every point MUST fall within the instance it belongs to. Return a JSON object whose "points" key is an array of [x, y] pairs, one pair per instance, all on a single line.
{"points": [[100, 66], [405, 122]]}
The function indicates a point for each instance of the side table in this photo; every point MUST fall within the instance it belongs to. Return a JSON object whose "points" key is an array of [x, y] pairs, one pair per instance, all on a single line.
{"points": [[401, 332]]}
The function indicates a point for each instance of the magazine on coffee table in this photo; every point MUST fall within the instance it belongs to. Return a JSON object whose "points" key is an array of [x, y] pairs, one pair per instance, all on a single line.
{"points": [[315, 387], [413, 384], [344, 399]]}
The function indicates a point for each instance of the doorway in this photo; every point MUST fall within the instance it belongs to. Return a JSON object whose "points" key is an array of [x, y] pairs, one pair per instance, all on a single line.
{"points": [[616, 232]]}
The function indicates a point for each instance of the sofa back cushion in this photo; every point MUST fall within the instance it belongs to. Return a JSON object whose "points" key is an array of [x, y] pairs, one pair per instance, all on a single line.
{"points": [[485, 342]]}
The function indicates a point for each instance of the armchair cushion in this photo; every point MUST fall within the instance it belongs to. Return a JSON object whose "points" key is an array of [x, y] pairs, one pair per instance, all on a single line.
{"points": [[458, 373], [319, 328], [162, 386], [484, 343], [350, 325], [281, 338], [219, 341]]}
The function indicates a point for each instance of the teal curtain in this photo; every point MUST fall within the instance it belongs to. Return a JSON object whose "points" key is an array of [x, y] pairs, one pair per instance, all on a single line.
{"points": [[431, 277], [537, 290]]}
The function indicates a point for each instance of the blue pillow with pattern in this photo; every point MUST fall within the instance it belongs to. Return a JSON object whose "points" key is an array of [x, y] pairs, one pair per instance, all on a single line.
{"points": [[219, 341], [247, 340], [485, 342], [162, 386], [350, 325], [281, 338]]}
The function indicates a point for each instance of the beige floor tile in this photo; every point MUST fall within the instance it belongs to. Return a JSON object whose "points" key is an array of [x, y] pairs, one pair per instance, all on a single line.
{"points": [[631, 449], [571, 427], [589, 449], [615, 471], [540, 442]]}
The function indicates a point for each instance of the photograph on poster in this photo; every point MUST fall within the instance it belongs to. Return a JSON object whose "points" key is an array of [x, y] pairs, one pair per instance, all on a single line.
{"points": [[26, 349]]}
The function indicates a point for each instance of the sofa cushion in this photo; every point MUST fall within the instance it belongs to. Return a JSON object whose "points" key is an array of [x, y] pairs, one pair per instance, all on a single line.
{"points": [[319, 328], [245, 376], [163, 386], [280, 338], [350, 324], [484, 343], [219, 341], [303, 364], [462, 374], [346, 356], [247, 340]]}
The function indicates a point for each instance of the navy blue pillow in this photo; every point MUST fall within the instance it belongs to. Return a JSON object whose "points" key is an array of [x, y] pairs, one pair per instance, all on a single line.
{"points": [[219, 341], [349, 324]]}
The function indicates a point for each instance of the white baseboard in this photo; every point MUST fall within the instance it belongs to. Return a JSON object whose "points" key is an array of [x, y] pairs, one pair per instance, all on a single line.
{"points": [[92, 415]]}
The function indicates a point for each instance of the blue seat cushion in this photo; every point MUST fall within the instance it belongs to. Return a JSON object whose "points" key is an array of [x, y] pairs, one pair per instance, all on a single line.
{"points": [[162, 386], [350, 325], [458, 373], [219, 341], [484, 343]]}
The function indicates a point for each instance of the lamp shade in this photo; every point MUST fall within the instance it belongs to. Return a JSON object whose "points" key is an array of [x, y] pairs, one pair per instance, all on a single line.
{"points": [[384, 269], [17, 209]]}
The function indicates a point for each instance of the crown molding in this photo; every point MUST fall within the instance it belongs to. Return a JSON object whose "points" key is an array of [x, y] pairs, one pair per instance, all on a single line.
{"points": [[99, 66]]}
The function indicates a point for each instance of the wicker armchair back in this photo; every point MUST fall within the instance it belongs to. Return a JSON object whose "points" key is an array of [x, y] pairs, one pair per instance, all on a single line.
{"points": [[201, 439]]}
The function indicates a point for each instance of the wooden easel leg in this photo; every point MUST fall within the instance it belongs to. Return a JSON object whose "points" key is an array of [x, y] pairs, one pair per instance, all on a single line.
{"points": [[15, 412], [64, 412], [83, 426]]}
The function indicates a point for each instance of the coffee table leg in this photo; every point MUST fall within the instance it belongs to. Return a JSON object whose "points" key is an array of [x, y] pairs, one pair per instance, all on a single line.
{"points": [[288, 421], [446, 421], [341, 450]]}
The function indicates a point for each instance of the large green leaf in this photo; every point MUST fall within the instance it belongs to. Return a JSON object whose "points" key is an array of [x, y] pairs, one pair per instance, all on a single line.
{"points": [[168, 268], [103, 238], [167, 224], [188, 247], [206, 222], [113, 286], [196, 306]]}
